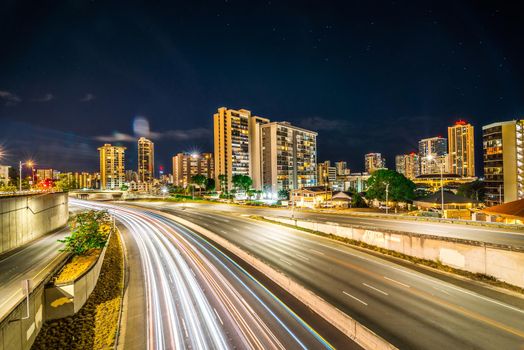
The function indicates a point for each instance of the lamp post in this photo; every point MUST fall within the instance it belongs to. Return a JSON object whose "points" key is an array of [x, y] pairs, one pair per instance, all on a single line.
{"points": [[29, 164], [387, 197], [441, 166]]}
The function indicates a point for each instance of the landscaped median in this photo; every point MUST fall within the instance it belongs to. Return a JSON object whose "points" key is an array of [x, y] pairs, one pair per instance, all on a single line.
{"points": [[88, 289]]}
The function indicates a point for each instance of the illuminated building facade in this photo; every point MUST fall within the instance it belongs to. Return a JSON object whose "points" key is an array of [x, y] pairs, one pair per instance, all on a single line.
{"points": [[187, 165], [237, 147], [433, 154], [327, 174], [374, 161], [408, 165], [503, 147], [289, 157], [461, 151], [112, 167], [146, 160]]}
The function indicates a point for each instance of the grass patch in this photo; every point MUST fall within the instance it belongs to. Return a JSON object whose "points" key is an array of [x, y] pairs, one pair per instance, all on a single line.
{"points": [[95, 325], [425, 262], [77, 266]]}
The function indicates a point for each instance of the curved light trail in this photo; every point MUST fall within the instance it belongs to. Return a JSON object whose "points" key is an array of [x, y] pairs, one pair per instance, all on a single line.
{"points": [[198, 298]]}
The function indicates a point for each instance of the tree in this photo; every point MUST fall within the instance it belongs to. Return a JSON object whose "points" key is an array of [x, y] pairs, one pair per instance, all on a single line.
{"points": [[210, 185], [400, 188], [473, 190], [357, 201], [223, 182], [199, 180], [64, 184], [283, 194], [242, 182], [89, 230]]}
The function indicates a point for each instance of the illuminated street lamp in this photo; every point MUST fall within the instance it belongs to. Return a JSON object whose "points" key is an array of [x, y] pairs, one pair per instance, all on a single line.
{"points": [[441, 166], [29, 164]]}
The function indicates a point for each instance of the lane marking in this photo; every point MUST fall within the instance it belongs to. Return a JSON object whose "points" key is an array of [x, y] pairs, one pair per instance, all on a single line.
{"points": [[441, 290], [287, 262], [317, 251], [354, 297], [397, 282], [302, 257], [376, 289]]}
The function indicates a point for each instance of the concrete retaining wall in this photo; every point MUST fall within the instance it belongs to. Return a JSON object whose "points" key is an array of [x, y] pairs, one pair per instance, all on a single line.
{"points": [[347, 325], [68, 298], [26, 217], [505, 264], [17, 333]]}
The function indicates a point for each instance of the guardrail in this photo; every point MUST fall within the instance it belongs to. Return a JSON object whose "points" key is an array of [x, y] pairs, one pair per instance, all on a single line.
{"points": [[420, 218]]}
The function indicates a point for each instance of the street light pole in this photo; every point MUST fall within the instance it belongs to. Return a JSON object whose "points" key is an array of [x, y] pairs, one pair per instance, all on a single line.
{"points": [[442, 188], [20, 178], [387, 197]]}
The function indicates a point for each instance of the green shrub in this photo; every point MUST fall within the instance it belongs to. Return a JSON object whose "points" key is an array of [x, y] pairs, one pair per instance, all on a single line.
{"points": [[89, 230]]}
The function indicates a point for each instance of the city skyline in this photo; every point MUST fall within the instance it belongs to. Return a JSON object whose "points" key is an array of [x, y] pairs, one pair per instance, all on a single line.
{"points": [[353, 57]]}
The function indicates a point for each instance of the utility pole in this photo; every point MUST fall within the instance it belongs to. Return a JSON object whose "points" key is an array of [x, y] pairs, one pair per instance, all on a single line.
{"points": [[387, 197]]}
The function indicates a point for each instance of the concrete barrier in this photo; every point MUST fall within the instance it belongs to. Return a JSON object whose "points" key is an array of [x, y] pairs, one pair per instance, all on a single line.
{"points": [[66, 299], [19, 333], [24, 218], [347, 325], [502, 262]]}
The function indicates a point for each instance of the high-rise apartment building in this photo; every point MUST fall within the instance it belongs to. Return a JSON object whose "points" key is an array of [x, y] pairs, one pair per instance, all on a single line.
{"points": [[237, 143], [374, 161], [327, 174], [342, 168], [146, 160], [461, 151], [503, 146], [408, 165], [433, 155], [112, 167], [289, 157], [186, 165]]}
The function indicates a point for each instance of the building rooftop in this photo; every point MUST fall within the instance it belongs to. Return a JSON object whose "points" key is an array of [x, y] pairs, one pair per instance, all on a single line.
{"points": [[513, 209]]}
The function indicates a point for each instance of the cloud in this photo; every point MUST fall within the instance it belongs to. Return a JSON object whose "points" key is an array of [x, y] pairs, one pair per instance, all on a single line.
{"points": [[88, 97], [116, 137], [323, 124], [9, 98], [176, 135], [46, 98]]}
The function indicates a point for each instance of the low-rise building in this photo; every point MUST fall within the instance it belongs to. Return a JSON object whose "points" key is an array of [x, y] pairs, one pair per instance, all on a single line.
{"points": [[310, 197]]}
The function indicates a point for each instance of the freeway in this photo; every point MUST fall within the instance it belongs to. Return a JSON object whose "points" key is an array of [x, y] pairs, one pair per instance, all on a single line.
{"points": [[410, 309], [34, 261], [475, 233], [196, 296]]}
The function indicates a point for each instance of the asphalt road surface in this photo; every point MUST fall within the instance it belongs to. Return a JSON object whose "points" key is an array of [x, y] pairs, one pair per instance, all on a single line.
{"points": [[34, 261], [477, 233], [410, 309], [197, 297]]}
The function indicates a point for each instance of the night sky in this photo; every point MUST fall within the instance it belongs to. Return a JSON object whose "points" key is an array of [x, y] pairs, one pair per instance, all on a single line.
{"points": [[368, 76]]}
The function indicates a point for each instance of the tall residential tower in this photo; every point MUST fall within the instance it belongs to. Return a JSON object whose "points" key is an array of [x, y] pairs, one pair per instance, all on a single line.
{"points": [[112, 167], [146, 160], [461, 151], [503, 146], [289, 157]]}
